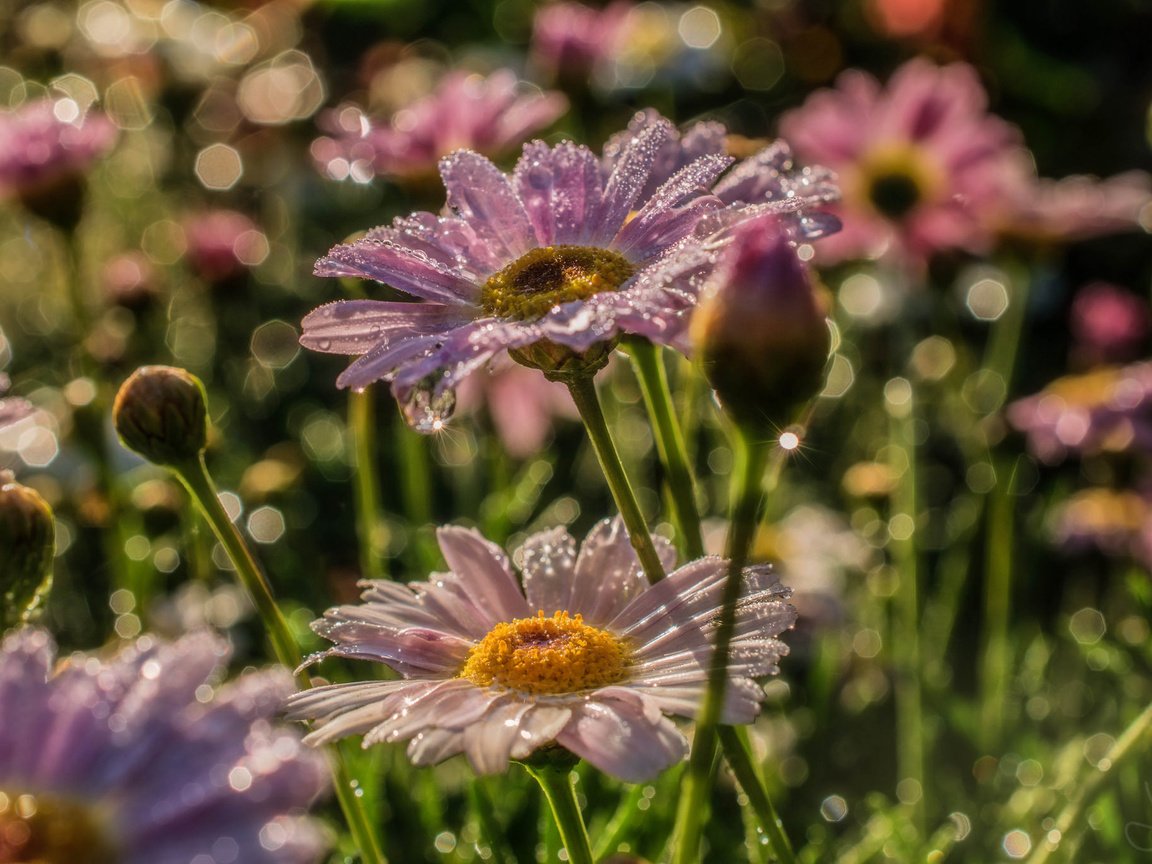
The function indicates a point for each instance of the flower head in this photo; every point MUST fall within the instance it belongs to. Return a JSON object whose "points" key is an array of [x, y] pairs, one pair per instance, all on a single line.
{"points": [[587, 655], [46, 148], [489, 115], [1107, 409], [138, 759], [223, 244], [920, 161], [11, 409], [554, 261], [1109, 324], [571, 39]]}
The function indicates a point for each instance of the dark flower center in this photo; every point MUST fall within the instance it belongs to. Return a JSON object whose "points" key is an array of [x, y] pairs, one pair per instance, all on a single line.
{"points": [[894, 194], [546, 277], [49, 829]]}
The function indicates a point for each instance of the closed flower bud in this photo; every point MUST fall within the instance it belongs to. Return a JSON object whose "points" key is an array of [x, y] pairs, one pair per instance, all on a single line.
{"points": [[27, 546], [161, 413], [760, 332]]}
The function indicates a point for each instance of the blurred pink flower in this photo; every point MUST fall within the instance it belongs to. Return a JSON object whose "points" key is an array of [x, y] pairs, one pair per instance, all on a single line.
{"points": [[571, 39], [920, 161], [581, 652], [1109, 324], [1107, 409], [1116, 522], [489, 115], [138, 757], [222, 244], [521, 402], [129, 280], [1073, 208], [46, 148], [11, 409]]}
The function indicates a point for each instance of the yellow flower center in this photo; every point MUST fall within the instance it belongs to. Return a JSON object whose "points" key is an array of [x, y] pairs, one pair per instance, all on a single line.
{"points": [[49, 829], [546, 277], [546, 656], [896, 180]]}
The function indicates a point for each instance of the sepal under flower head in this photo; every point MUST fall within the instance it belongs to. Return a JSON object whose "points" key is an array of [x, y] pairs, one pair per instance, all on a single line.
{"points": [[586, 655]]}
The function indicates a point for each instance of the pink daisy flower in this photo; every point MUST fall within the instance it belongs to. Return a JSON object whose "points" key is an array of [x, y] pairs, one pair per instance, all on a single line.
{"points": [[138, 758], [566, 251], [1108, 409], [489, 115], [571, 39], [920, 161], [586, 655]]}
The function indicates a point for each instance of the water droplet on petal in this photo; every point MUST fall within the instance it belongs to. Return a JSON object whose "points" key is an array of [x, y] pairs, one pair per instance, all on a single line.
{"points": [[426, 411]]}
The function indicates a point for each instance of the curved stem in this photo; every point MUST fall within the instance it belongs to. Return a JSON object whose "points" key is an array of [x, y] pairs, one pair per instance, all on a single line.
{"points": [[583, 392], [750, 460], [556, 784], [194, 475], [362, 420], [1134, 739], [650, 372]]}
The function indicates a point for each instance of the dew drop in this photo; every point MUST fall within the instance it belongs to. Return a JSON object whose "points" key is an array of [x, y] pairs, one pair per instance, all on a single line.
{"points": [[427, 412]]}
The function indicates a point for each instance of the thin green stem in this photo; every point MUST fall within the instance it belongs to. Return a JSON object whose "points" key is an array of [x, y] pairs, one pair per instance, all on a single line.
{"points": [[740, 761], [556, 784], [999, 554], [906, 618], [416, 492], [587, 401], [362, 420], [653, 378], [627, 813], [1135, 739], [194, 475], [747, 471]]}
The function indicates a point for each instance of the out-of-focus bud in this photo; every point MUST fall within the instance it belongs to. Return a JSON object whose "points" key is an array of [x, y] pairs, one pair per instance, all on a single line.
{"points": [[161, 413], [760, 331], [27, 546]]}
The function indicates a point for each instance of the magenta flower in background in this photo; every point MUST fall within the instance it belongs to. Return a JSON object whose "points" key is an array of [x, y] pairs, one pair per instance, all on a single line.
{"points": [[1107, 409], [137, 759], [561, 253], [587, 655], [44, 141], [223, 244], [489, 115], [920, 161], [1116, 522], [571, 39], [46, 149], [1109, 324], [521, 402]]}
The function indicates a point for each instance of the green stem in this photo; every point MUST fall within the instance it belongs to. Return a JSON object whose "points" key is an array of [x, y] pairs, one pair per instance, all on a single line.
{"points": [[556, 784], [999, 551], [747, 471], [416, 491], [194, 475], [740, 761], [653, 378], [362, 419], [627, 813], [1135, 739], [583, 392], [906, 623]]}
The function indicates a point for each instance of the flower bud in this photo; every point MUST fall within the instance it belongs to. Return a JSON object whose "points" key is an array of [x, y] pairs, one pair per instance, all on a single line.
{"points": [[161, 413], [760, 331], [27, 546]]}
